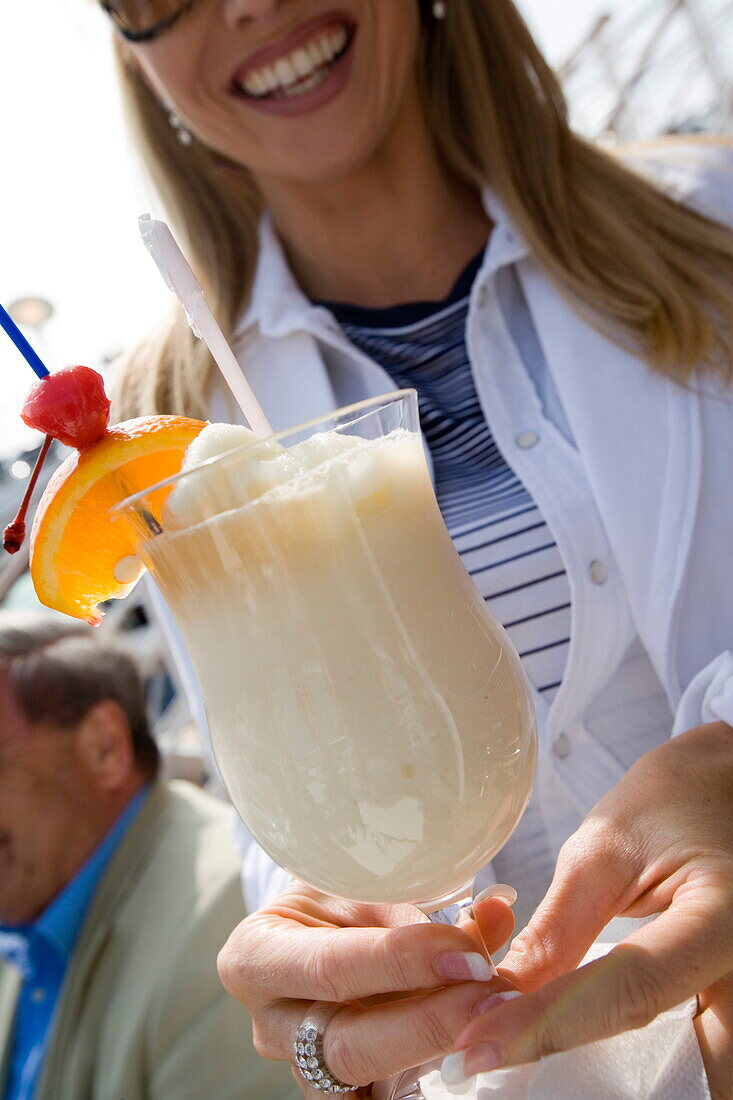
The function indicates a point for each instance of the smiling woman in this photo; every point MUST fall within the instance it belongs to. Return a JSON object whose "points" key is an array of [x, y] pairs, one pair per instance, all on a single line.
{"points": [[384, 193], [367, 110]]}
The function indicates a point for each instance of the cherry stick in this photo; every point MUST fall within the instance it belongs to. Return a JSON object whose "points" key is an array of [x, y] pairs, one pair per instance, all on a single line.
{"points": [[7, 322]]}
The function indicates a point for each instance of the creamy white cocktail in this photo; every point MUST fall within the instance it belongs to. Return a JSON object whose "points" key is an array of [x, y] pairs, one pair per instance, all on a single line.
{"points": [[371, 721]]}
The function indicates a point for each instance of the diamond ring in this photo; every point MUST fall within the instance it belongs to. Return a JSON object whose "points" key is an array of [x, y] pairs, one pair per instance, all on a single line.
{"points": [[308, 1050]]}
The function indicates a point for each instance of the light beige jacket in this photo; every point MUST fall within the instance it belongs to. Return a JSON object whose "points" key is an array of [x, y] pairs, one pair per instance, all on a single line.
{"points": [[142, 1014]]}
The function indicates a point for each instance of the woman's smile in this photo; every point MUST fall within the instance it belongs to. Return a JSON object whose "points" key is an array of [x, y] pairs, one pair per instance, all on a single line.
{"points": [[302, 70]]}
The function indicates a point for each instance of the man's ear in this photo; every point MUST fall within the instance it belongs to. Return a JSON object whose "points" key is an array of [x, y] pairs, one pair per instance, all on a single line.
{"points": [[104, 746]]}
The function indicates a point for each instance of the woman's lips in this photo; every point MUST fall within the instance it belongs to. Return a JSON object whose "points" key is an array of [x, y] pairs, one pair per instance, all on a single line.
{"points": [[301, 71]]}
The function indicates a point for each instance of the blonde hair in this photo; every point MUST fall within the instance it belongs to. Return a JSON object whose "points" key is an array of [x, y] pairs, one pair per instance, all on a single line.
{"points": [[653, 274]]}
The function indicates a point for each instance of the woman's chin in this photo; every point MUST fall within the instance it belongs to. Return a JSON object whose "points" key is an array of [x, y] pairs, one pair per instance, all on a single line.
{"points": [[313, 166]]}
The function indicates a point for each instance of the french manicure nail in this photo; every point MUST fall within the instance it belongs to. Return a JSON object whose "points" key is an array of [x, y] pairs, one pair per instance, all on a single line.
{"points": [[463, 966], [452, 1070], [468, 1063], [494, 1001], [498, 890]]}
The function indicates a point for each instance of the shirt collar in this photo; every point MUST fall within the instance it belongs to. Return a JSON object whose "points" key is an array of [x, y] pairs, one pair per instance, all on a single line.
{"points": [[14, 947], [506, 245], [278, 307], [60, 923]]}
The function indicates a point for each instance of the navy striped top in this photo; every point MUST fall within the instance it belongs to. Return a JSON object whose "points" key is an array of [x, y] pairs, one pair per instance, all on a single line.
{"points": [[497, 528]]}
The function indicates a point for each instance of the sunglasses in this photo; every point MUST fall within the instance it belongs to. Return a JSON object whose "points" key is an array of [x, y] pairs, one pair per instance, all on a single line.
{"points": [[143, 20]]}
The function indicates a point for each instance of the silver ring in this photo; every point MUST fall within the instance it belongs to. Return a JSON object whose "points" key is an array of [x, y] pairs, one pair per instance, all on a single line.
{"points": [[308, 1050]]}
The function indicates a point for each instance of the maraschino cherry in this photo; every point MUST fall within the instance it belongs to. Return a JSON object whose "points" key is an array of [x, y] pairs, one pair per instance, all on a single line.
{"points": [[70, 406]]}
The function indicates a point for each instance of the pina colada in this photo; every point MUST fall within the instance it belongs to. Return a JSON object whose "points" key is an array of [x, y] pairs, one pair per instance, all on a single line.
{"points": [[371, 721]]}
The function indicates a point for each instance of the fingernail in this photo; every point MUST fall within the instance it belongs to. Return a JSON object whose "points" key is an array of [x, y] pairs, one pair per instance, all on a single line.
{"points": [[452, 1070], [494, 1001], [481, 1059], [462, 966], [499, 890]]}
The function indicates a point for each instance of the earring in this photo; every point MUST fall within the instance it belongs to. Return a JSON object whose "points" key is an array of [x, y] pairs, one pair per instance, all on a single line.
{"points": [[184, 136], [440, 9]]}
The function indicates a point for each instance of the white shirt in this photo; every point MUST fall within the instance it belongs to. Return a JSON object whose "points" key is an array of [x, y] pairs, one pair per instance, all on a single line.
{"points": [[641, 505]]}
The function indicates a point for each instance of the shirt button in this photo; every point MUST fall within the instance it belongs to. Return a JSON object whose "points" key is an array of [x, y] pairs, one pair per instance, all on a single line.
{"points": [[561, 746], [483, 297], [38, 996], [527, 440], [598, 572]]}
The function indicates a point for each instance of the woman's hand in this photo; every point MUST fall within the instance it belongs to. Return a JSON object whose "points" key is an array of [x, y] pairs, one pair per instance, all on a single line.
{"points": [[660, 842], [405, 984]]}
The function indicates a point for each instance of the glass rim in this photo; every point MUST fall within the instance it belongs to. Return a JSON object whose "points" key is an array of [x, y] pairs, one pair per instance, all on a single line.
{"points": [[367, 405]]}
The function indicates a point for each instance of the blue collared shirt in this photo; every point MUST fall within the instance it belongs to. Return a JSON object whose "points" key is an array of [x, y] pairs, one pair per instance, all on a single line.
{"points": [[42, 950]]}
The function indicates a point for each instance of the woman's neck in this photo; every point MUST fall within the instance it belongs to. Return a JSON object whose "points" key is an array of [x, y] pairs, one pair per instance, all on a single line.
{"points": [[397, 230]]}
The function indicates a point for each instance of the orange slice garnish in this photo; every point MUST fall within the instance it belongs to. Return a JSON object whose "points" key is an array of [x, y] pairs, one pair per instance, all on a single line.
{"points": [[80, 555]]}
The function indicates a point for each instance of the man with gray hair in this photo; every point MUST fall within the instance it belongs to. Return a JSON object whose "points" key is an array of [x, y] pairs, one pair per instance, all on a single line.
{"points": [[116, 891]]}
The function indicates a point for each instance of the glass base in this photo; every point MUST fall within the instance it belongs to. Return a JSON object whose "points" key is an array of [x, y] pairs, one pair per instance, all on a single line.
{"points": [[460, 897]]}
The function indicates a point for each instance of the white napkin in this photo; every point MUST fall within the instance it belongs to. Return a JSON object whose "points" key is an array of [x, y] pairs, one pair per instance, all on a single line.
{"points": [[659, 1062]]}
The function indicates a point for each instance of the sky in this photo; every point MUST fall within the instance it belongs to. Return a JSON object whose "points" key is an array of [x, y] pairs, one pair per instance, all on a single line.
{"points": [[70, 193]]}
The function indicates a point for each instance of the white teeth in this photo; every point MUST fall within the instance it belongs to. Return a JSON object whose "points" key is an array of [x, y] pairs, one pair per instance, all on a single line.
{"points": [[257, 83], [317, 53], [292, 74], [302, 63], [262, 82], [271, 79], [305, 85], [286, 73]]}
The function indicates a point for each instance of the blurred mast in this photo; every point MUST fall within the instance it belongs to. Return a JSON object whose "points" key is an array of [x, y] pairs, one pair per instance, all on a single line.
{"points": [[668, 58]]}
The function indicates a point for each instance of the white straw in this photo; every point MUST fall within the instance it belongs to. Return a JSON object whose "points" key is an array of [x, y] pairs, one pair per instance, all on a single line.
{"points": [[176, 270]]}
